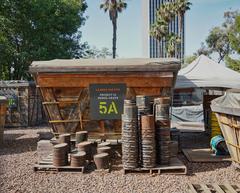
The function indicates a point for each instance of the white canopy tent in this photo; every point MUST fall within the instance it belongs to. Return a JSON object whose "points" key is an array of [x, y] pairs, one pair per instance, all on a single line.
{"points": [[206, 73]]}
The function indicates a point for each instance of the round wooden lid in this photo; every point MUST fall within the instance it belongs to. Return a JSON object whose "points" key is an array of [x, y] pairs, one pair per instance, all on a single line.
{"points": [[162, 100], [65, 135], [81, 132], [104, 148], [79, 154], [101, 155], [61, 145], [85, 143], [104, 144]]}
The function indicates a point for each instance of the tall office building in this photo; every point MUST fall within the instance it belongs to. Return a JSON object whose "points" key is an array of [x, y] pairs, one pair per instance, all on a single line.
{"points": [[151, 47]]}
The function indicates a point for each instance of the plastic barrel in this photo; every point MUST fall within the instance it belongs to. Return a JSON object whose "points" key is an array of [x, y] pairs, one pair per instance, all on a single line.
{"points": [[215, 126]]}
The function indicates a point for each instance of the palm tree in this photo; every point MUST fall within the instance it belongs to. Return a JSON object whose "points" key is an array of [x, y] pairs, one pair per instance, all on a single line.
{"points": [[114, 7], [181, 6], [159, 31], [173, 42]]}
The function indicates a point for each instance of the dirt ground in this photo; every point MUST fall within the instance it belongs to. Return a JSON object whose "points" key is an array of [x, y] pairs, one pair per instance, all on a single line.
{"points": [[18, 155]]}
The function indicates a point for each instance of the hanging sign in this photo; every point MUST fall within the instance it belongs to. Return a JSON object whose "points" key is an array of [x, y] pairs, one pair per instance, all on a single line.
{"points": [[106, 101]]}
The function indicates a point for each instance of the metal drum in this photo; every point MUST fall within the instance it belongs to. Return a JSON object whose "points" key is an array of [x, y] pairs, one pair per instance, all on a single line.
{"points": [[129, 135], [60, 154], [148, 141]]}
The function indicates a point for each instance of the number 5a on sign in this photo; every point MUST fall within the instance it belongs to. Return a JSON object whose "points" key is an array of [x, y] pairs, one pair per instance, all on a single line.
{"points": [[107, 109]]}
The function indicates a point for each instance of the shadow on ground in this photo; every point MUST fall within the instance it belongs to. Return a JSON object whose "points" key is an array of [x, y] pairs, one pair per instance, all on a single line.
{"points": [[14, 144]]}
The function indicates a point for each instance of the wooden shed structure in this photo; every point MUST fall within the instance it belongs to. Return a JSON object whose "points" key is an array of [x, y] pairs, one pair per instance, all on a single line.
{"points": [[64, 85]]}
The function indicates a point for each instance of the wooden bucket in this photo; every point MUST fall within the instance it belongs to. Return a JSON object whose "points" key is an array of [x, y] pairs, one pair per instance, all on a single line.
{"points": [[3, 110]]}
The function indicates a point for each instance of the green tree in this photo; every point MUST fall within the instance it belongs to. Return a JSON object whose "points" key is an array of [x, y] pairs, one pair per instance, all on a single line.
{"points": [[114, 7], [203, 50], [218, 41], [159, 31], [188, 60], [234, 37], [181, 6], [38, 30]]}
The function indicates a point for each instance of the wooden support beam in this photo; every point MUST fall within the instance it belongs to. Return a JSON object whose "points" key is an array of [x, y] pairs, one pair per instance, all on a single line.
{"points": [[64, 121], [60, 102], [53, 110], [149, 80]]}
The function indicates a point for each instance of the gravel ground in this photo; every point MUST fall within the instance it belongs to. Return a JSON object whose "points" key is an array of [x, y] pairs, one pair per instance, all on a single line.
{"points": [[18, 155]]}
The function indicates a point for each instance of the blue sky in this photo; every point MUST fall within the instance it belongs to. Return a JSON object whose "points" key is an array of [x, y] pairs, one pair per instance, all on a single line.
{"points": [[204, 15]]}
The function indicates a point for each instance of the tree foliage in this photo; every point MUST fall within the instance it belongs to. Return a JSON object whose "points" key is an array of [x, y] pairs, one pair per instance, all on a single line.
{"points": [[218, 41], [97, 53], [234, 37], [166, 13], [38, 30]]}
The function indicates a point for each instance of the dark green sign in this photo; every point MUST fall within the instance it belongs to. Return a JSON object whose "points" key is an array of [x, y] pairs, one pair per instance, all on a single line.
{"points": [[106, 101]]}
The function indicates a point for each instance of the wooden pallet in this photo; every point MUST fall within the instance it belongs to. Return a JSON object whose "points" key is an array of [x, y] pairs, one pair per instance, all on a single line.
{"points": [[46, 165], [176, 167], [213, 188]]}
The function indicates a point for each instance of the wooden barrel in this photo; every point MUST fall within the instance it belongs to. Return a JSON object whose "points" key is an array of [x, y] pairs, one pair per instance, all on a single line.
{"points": [[60, 155], [78, 159], [105, 149], [148, 146], [65, 138], [161, 105], [130, 135], [102, 161], [143, 101], [87, 147], [103, 144], [81, 136], [3, 110], [130, 109]]}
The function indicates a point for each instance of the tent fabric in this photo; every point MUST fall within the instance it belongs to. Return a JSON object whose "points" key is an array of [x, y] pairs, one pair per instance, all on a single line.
{"points": [[227, 104], [206, 73], [187, 114]]}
